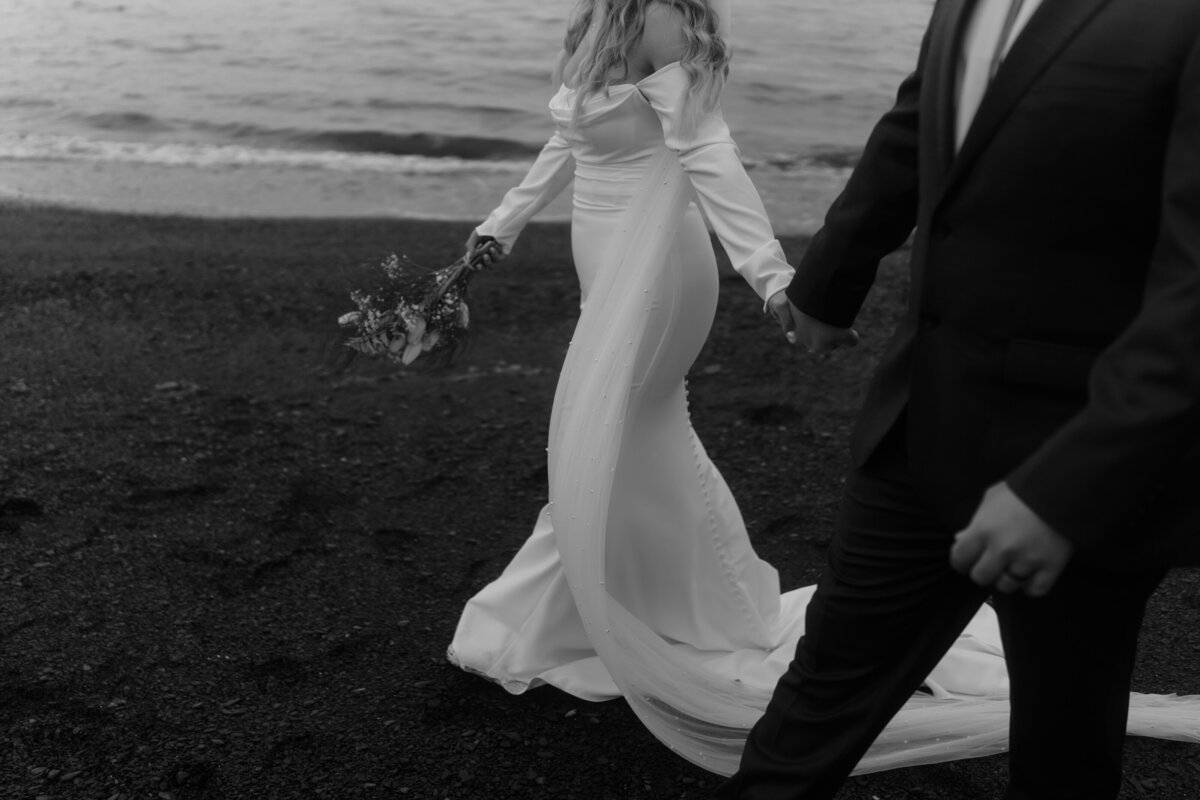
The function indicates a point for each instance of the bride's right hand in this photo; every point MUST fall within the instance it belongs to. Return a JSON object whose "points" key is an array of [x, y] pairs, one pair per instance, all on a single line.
{"points": [[484, 251]]}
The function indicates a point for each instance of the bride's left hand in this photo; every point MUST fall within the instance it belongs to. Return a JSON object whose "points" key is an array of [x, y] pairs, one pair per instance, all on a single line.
{"points": [[799, 328], [779, 308]]}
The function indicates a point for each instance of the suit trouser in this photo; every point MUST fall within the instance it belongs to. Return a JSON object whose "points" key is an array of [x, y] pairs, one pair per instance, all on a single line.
{"points": [[885, 611]]}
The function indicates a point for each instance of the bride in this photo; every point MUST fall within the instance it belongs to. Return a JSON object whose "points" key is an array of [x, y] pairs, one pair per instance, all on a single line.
{"points": [[639, 579]]}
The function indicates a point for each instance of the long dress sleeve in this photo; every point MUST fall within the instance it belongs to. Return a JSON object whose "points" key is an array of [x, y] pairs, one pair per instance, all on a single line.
{"points": [[722, 188], [549, 175]]}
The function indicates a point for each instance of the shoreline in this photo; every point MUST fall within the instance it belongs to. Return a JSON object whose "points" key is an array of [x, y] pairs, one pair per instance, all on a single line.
{"points": [[795, 198]]}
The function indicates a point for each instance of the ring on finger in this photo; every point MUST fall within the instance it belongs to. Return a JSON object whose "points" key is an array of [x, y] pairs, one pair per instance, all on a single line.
{"points": [[1007, 583]]}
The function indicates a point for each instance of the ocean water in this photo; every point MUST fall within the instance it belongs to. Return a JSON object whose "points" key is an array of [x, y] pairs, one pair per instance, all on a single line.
{"points": [[400, 107]]}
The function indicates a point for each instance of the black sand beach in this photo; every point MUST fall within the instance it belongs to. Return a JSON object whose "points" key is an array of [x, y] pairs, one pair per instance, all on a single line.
{"points": [[227, 573]]}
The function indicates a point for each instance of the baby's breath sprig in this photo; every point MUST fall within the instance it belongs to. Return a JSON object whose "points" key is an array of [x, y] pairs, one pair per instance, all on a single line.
{"points": [[414, 310]]}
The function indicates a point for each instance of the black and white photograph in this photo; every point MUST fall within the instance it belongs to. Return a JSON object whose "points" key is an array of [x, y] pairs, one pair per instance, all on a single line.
{"points": [[599, 399]]}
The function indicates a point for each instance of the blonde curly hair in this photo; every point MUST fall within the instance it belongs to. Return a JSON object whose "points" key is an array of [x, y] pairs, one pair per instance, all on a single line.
{"points": [[605, 60]]}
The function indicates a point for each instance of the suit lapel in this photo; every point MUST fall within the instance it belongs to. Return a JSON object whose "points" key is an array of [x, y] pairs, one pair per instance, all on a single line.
{"points": [[1049, 30], [945, 46]]}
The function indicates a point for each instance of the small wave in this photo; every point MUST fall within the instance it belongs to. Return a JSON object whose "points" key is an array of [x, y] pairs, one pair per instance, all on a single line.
{"points": [[132, 121], [19, 101], [449, 107], [30, 147], [97, 8], [429, 145], [834, 159], [182, 49], [426, 145], [388, 72]]}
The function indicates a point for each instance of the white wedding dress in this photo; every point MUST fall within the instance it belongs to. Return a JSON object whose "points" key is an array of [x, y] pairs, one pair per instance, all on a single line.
{"points": [[639, 579]]}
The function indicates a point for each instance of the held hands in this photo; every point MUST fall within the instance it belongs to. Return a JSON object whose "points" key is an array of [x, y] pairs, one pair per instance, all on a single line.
{"points": [[485, 251], [1010, 548], [810, 333]]}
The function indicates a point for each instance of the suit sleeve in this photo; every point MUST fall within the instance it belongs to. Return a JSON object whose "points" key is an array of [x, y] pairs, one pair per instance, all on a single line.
{"points": [[723, 190], [549, 175], [1143, 410], [874, 215]]}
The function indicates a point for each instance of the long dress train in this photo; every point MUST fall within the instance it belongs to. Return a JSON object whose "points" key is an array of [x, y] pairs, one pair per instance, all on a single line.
{"points": [[639, 579]]}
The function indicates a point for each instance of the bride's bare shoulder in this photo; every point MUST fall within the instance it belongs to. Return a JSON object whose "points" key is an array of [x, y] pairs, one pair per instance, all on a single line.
{"points": [[663, 39]]}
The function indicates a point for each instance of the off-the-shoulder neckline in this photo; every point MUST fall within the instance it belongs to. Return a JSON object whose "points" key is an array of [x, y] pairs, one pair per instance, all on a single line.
{"points": [[635, 84]]}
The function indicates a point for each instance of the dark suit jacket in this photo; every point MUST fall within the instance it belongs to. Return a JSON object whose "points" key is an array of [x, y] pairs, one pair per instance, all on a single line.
{"points": [[1053, 333]]}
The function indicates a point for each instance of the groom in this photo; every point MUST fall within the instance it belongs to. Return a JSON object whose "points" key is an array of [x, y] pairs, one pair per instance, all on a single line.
{"points": [[1033, 430]]}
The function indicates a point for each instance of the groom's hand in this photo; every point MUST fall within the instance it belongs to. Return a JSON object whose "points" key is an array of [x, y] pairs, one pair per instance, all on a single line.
{"points": [[808, 332], [1009, 547]]}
